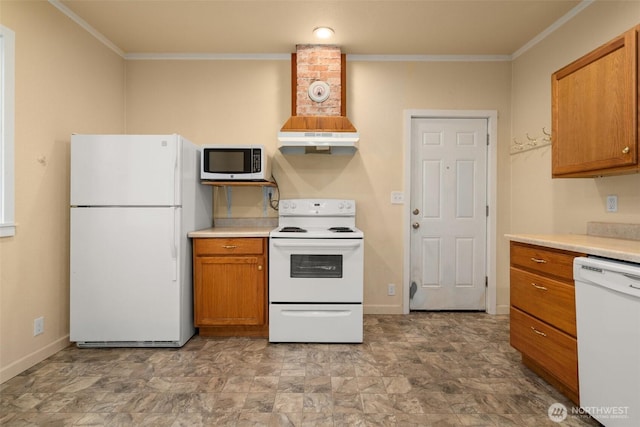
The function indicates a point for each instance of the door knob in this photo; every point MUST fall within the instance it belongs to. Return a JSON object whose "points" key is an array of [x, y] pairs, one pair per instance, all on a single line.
{"points": [[416, 225], [259, 268], [416, 211]]}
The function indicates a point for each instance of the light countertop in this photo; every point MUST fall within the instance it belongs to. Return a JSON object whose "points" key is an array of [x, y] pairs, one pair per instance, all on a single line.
{"points": [[230, 232], [622, 249]]}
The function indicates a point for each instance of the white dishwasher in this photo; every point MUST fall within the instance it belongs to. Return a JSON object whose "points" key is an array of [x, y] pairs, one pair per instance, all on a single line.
{"points": [[608, 321]]}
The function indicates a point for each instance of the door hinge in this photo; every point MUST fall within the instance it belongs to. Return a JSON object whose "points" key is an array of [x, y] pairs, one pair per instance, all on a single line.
{"points": [[486, 281], [487, 210], [488, 139]]}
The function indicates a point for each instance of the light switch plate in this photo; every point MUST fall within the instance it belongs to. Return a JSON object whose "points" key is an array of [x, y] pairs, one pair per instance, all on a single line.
{"points": [[612, 203]]}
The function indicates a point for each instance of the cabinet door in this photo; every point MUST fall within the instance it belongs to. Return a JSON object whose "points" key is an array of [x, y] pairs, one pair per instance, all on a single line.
{"points": [[229, 290], [594, 110]]}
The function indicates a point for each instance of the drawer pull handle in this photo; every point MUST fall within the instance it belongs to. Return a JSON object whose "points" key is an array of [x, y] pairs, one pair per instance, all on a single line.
{"points": [[632, 277], [625, 150], [538, 260], [229, 246], [538, 332], [542, 288]]}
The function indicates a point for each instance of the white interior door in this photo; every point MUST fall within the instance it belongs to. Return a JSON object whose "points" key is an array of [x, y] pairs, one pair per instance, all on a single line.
{"points": [[448, 213]]}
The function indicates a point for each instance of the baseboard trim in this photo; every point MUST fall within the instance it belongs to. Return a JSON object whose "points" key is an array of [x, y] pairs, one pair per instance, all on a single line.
{"points": [[397, 309], [502, 309], [382, 309], [32, 359]]}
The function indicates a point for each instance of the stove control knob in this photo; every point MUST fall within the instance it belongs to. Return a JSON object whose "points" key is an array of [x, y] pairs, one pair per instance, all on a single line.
{"points": [[341, 206], [293, 205], [285, 205], [348, 205]]}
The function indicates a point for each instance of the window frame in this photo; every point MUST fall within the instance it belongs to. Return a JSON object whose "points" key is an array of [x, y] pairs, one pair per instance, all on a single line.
{"points": [[7, 132]]}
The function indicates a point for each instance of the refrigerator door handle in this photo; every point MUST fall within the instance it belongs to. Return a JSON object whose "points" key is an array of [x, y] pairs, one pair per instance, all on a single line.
{"points": [[175, 242], [177, 182]]}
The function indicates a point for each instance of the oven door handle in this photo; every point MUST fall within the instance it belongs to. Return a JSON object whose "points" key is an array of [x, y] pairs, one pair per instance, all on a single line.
{"points": [[316, 313], [317, 244]]}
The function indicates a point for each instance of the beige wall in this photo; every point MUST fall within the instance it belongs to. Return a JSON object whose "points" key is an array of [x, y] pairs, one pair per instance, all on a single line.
{"points": [[66, 81], [540, 204], [248, 102]]}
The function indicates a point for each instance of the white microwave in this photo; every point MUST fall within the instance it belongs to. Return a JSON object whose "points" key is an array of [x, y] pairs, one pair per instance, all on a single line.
{"points": [[234, 163]]}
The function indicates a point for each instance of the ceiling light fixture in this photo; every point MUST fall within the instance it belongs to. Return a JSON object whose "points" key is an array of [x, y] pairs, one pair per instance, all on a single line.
{"points": [[323, 32]]}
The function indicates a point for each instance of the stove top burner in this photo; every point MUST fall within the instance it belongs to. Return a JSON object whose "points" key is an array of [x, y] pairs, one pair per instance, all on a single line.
{"points": [[322, 230], [341, 229], [293, 230]]}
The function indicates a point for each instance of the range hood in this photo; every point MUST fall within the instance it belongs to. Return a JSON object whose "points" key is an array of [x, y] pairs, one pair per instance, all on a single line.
{"points": [[318, 135], [318, 122]]}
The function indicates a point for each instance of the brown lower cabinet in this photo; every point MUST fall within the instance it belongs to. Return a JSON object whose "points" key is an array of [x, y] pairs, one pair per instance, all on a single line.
{"points": [[230, 286], [543, 314]]}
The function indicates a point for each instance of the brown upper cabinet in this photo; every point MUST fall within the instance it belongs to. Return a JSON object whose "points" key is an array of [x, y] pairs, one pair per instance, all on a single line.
{"points": [[594, 108]]}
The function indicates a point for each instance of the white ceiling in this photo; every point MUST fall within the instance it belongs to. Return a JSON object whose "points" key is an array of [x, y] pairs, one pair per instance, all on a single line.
{"points": [[362, 27]]}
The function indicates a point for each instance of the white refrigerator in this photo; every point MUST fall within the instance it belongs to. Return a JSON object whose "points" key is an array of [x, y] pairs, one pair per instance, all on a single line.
{"points": [[133, 200]]}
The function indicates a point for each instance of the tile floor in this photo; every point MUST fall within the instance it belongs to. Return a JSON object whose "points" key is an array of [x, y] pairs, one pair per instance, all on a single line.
{"points": [[423, 369]]}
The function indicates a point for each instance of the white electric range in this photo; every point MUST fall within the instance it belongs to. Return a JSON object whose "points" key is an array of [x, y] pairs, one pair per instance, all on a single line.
{"points": [[316, 276]]}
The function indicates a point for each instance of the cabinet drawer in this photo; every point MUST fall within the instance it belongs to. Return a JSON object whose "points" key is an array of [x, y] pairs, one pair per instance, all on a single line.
{"points": [[555, 351], [544, 298], [225, 246], [544, 260]]}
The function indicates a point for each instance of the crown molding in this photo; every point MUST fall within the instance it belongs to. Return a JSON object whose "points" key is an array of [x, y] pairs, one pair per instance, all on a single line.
{"points": [[559, 23], [429, 58], [208, 56], [287, 56], [84, 24]]}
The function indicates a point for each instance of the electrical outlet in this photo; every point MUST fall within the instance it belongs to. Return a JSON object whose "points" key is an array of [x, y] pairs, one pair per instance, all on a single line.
{"points": [[397, 198], [38, 326], [391, 289], [612, 203]]}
